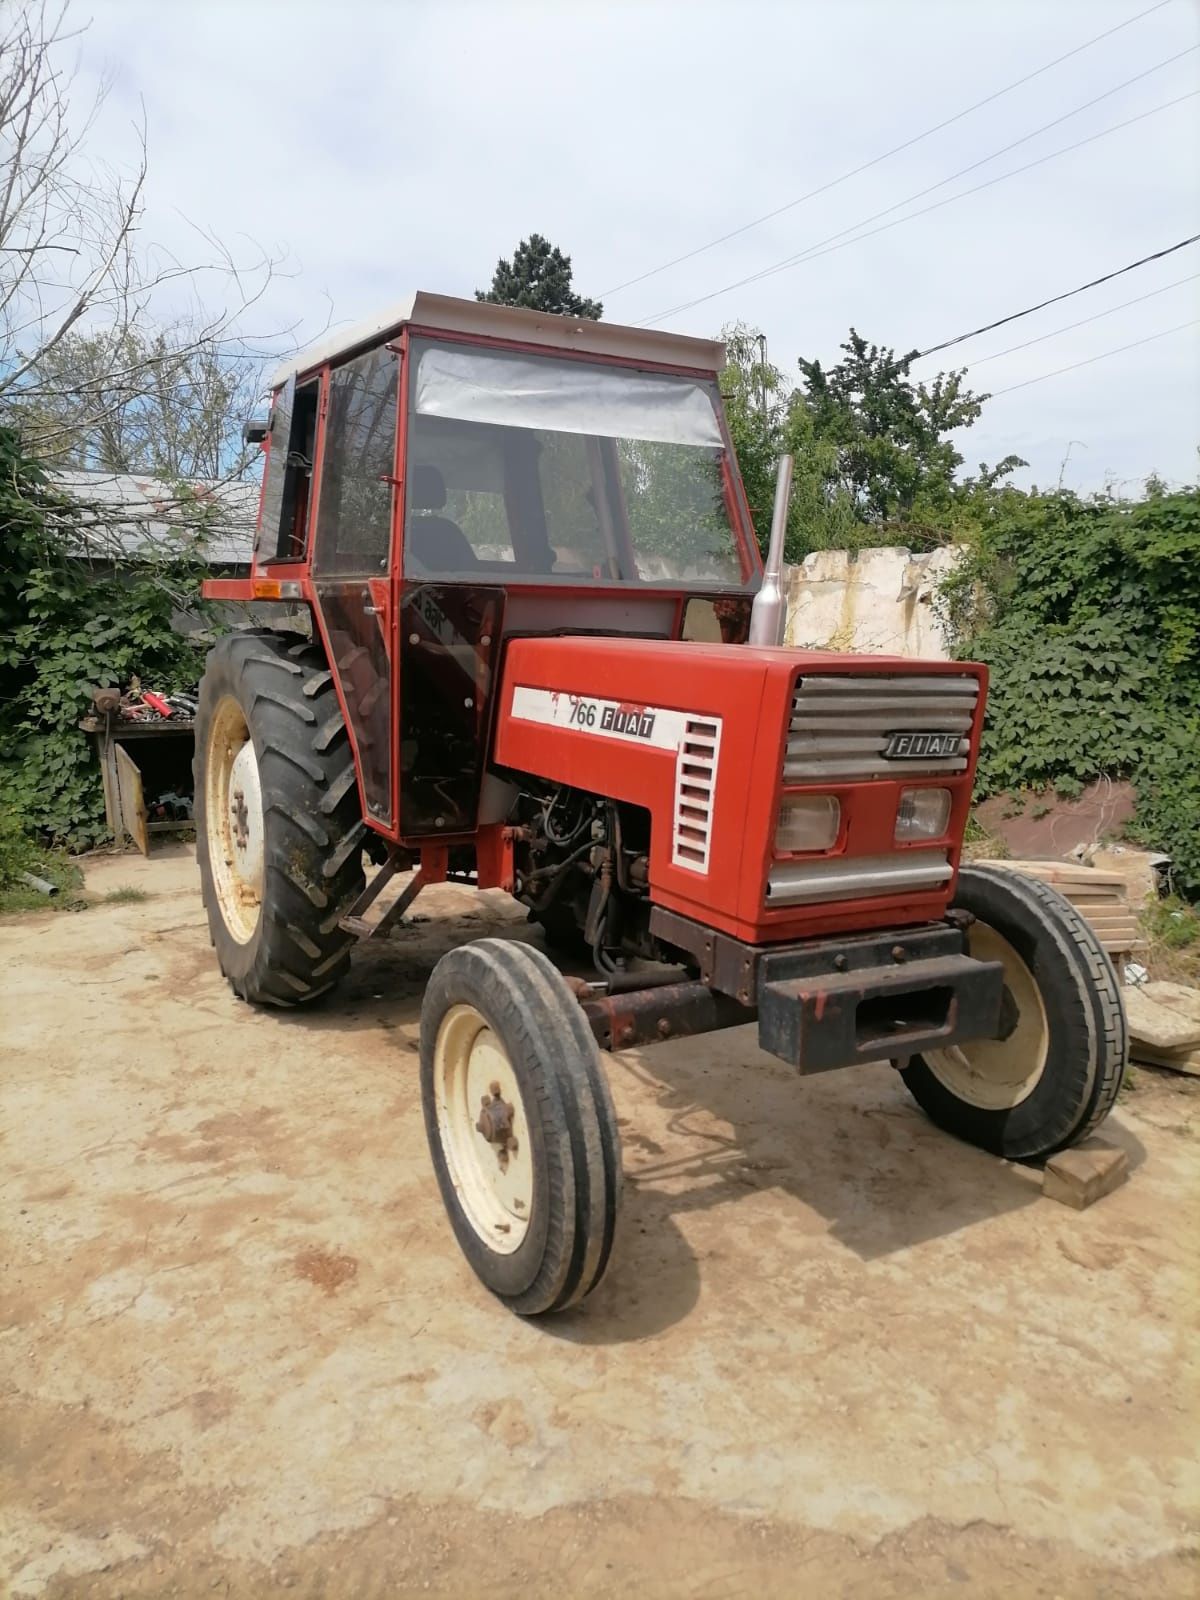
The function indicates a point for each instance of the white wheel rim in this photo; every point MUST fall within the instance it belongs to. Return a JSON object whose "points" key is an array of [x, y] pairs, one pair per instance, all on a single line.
{"points": [[233, 817], [997, 1074], [493, 1177]]}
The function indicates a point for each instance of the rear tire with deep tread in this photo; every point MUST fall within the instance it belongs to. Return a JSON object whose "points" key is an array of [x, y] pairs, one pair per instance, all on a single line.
{"points": [[311, 817], [574, 1136], [1085, 1032]]}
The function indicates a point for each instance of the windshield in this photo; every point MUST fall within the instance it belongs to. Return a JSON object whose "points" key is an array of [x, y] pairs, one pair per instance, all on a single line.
{"points": [[554, 470]]}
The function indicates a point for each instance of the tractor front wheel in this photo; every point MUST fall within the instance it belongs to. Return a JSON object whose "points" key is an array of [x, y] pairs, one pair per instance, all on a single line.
{"points": [[279, 833], [1054, 1073], [520, 1123]]}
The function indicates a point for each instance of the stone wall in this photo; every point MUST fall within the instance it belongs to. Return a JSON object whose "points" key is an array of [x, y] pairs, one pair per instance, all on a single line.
{"points": [[879, 602]]}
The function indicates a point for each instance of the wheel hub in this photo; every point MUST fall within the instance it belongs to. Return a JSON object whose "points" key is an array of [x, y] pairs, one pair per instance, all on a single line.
{"points": [[496, 1124], [241, 820], [246, 816], [483, 1128], [233, 820], [998, 1074]]}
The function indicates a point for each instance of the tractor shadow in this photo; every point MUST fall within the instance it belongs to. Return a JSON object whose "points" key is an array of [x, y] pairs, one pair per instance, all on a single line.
{"points": [[718, 1122], [851, 1146], [713, 1122], [655, 1277]]}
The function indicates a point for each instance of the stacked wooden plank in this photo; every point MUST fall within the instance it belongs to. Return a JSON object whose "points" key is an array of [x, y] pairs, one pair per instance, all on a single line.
{"points": [[1101, 897], [1164, 1025]]}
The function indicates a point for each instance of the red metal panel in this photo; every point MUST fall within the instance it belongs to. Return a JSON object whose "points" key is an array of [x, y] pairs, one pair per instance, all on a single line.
{"points": [[750, 690], [688, 678]]}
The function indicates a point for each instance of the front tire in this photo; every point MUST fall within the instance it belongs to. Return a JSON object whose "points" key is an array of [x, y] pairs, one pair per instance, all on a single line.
{"points": [[520, 1123], [279, 833], [1054, 1077]]}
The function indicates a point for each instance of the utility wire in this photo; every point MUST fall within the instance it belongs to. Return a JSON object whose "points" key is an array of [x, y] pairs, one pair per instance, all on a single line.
{"points": [[1083, 322], [814, 251], [1015, 316], [942, 182], [983, 161], [1103, 356], [896, 150]]}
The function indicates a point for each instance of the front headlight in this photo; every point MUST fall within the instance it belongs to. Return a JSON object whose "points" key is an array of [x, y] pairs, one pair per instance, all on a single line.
{"points": [[923, 814], [808, 822]]}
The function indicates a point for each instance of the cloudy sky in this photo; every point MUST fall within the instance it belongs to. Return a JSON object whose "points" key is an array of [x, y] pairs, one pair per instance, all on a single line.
{"points": [[387, 147]]}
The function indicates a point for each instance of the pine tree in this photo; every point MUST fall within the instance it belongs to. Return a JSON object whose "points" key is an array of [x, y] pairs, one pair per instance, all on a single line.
{"points": [[538, 276]]}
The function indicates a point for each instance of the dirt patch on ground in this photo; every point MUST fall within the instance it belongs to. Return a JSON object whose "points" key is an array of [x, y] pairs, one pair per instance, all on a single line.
{"points": [[836, 1352], [328, 1272]]}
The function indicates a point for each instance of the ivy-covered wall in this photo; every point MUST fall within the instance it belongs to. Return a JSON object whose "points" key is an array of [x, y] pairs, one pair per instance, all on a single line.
{"points": [[1088, 614], [68, 625]]}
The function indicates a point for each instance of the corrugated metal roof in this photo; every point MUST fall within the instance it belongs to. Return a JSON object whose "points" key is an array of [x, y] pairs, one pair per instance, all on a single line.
{"points": [[131, 514]]}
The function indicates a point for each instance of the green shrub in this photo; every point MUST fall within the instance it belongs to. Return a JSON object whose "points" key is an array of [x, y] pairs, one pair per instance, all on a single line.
{"points": [[66, 627], [20, 852], [1087, 613], [1172, 922], [18, 849], [1168, 803]]}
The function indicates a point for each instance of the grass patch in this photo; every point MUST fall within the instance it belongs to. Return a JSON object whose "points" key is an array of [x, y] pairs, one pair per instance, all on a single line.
{"points": [[124, 895], [1130, 1083], [1171, 928], [61, 871], [980, 845]]}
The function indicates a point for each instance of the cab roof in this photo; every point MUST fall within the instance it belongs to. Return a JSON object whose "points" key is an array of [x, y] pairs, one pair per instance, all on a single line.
{"points": [[446, 314]]}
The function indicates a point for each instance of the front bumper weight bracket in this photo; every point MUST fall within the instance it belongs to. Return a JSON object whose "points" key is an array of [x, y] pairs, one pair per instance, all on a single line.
{"points": [[833, 1020]]}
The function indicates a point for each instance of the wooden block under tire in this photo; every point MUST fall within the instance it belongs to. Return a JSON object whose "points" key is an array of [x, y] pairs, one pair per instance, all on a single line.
{"points": [[1085, 1174]]}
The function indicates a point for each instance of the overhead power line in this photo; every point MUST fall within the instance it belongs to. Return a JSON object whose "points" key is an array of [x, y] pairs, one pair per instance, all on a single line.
{"points": [[1103, 356], [1015, 316], [815, 251], [875, 161], [1083, 321]]}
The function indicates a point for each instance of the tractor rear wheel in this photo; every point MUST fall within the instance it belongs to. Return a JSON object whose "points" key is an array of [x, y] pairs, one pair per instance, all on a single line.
{"points": [[1055, 1073], [520, 1123], [279, 833]]}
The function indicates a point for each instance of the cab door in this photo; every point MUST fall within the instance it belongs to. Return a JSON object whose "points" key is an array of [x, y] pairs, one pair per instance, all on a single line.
{"points": [[352, 571]]}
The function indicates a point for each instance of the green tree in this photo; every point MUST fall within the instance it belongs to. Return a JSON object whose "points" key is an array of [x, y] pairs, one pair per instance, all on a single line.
{"points": [[875, 462], [763, 423], [538, 276], [892, 455], [755, 397], [164, 401]]}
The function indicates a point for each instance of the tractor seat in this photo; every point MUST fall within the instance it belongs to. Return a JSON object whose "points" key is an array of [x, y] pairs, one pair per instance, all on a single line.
{"points": [[433, 543]]}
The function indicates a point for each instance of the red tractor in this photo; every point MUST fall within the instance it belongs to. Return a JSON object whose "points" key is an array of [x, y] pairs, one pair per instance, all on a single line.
{"points": [[543, 658]]}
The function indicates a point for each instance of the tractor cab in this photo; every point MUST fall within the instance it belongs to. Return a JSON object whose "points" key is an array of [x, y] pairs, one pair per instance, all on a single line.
{"points": [[454, 473], [543, 657]]}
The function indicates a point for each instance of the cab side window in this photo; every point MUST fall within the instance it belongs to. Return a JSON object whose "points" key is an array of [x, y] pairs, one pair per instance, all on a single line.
{"points": [[354, 519], [283, 528]]}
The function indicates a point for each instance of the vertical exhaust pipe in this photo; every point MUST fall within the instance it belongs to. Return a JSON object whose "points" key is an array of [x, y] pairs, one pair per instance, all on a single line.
{"points": [[769, 611]]}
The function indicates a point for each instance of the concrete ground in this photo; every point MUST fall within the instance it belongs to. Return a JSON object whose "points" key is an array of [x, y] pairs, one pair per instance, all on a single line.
{"points": [[836, 1353]]}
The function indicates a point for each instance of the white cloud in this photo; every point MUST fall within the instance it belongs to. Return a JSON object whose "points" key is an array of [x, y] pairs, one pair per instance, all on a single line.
{"points": [[404, 146]]}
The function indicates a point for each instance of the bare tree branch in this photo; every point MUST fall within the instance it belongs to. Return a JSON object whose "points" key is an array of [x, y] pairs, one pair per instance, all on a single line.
{"points": [[98, 367]]}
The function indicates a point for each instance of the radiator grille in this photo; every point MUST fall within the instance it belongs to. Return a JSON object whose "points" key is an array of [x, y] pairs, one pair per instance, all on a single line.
{"points": [[806, 883], [841, 726], [695, 792]]}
